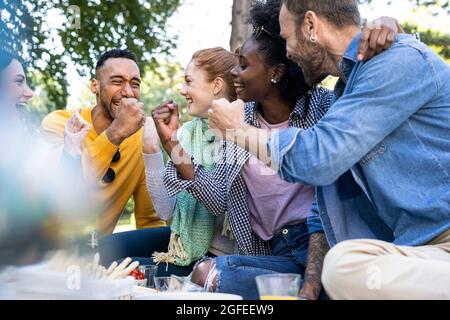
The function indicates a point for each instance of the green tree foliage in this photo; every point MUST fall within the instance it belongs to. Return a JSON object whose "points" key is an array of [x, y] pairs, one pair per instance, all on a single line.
{"points": [[445, 4], [87, 28], [437, 40]]}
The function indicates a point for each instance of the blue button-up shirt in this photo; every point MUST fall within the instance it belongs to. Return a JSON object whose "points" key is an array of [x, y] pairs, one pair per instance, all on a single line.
{"points": [[381, 155]]}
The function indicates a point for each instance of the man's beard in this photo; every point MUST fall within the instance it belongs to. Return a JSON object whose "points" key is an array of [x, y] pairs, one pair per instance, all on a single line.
{"points": [[109, 107], [313, 61]]}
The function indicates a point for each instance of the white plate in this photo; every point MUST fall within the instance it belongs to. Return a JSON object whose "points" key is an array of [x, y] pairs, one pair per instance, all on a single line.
{"points": [[187, 296], [143, 290], [140, 293]]}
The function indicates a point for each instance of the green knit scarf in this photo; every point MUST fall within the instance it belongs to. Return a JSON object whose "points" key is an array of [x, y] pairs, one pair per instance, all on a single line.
{"points": [[193, 225]]}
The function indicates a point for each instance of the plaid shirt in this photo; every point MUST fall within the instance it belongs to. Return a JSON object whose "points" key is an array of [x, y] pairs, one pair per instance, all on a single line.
{"points": [[223, 189]]}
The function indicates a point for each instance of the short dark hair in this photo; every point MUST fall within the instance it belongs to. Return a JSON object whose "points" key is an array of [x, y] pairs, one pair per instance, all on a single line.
{"points": [[115, 53], [265, 13], [340, 13]]}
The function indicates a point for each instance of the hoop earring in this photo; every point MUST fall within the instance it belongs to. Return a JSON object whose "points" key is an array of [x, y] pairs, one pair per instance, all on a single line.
{"points": [[313, 37]]}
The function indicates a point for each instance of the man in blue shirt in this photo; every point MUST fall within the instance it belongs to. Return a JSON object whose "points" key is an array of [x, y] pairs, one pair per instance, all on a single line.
{"points": [[380, 158]]}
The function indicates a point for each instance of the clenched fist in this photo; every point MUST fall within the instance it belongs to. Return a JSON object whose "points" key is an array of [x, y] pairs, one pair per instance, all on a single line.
{"points": [[224, 115], [129, 119], [75, 131], [166, 118]]}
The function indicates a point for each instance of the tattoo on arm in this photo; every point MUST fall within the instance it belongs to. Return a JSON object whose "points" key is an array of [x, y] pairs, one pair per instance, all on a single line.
{"points": [[318, 248]]}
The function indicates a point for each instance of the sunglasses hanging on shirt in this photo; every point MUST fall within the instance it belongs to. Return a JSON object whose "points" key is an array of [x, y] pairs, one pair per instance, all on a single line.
{"points": [[110, 174]]}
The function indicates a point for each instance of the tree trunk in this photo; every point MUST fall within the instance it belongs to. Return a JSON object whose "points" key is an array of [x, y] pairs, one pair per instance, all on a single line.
{"points": [[240, 29]]}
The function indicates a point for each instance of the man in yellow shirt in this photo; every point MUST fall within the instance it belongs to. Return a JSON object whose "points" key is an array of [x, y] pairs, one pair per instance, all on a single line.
{"points": [[111, 156]]}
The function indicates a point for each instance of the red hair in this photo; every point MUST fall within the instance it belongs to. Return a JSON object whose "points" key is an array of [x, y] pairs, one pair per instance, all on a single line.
{"points": [[218, 63]]}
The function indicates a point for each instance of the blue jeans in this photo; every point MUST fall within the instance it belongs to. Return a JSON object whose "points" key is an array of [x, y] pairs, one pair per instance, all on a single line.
{"points": [[289, 248], [140, 245]]}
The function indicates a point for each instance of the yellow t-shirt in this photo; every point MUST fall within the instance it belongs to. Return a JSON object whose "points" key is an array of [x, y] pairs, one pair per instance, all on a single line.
{"points": [[97, 155]]}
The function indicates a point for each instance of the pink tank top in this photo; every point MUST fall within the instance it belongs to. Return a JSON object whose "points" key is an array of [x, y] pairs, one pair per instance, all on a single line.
{"points": [[272, 202]]}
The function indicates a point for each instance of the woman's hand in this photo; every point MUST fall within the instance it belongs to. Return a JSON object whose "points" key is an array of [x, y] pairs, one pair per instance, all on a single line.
{"points": [[150, 138], [226, 118], [75, 133], [166, 121], [377, 36]]}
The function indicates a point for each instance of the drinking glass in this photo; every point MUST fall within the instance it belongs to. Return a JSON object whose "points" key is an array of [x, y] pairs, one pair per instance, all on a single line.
{"points": [[278, 286], [149, 272]]}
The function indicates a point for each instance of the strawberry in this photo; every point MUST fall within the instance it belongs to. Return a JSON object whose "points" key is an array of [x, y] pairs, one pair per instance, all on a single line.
{"points": [[137, 275]]}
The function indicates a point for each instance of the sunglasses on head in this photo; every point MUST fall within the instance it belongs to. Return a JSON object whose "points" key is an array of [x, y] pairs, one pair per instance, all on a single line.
{"points": [[110, 174], [258, 31]]}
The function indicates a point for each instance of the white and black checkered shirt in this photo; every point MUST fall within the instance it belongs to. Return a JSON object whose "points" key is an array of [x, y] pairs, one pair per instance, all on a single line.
{"points": [[223, 189]]}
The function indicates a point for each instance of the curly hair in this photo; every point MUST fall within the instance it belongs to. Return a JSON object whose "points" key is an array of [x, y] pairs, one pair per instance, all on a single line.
{"points": [[265, 13]]}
